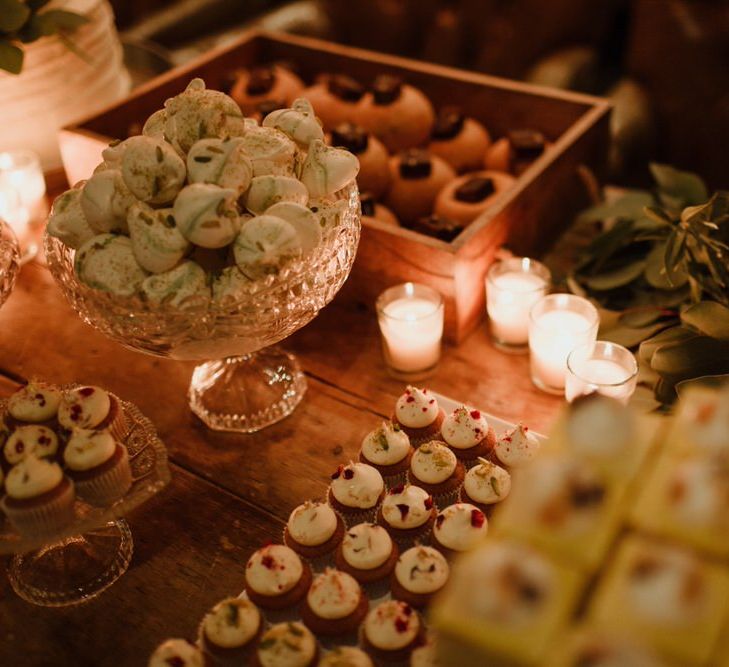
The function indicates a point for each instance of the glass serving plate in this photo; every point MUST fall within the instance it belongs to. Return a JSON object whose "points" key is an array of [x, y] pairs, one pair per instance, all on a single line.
{"points": [[87, 556], [9, 260], [242, 386]]}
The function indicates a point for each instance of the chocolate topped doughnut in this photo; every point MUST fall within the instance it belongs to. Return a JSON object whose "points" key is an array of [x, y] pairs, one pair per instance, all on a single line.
{"points": [[386, 89], [350, 136], [526, 144], [475, 189], [448, 123], [345, 88], [415, 163]]}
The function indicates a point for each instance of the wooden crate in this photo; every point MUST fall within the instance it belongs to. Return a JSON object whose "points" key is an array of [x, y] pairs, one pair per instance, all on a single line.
{"points": [[528, 217]]}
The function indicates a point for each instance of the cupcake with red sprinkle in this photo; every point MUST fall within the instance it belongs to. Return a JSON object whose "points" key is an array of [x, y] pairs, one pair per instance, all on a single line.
{"points": [[92, 408], [516, 447], [458, 528], [387, 449], [35, 403], [355, 492], [391, 631], [485, 485], [335, 604], [467, 432], [313, 530], [407, 512], [30, 439], [276, 578], [418, 414]]}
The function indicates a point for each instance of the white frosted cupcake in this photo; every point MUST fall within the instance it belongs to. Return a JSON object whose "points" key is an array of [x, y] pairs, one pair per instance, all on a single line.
{"points": [[467, 432], [230, 630], [287, 644], [355, 492], [485, 485], [459, 527], [435, 468], [335, 604], [391, 631], [407, 512], [387, 449], [516, 447], [30, 439], [92, 407], [313, 530], [276, 578], [367, 552], [419, 574], [177, 652], [39, 500], [418, 414], [98, 466], [35, 403]]}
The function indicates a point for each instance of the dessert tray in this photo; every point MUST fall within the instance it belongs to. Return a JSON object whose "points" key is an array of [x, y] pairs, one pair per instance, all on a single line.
{"points": [[85, 557]]}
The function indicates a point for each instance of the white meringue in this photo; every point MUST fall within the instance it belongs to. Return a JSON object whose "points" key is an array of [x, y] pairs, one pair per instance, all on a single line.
{"points": [[105, 200], [152, 170], [264, 244], [106, 262], [303, 220], [222, 162], [265, 191], [327, 170], [67, 221], [157, 243], [299, 122], [206, 215], [270, 150], [185, 285]]}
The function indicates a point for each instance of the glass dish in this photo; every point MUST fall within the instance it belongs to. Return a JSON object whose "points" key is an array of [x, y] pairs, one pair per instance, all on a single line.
{"points": [[9, 260], [241, 386], [90, 554]]}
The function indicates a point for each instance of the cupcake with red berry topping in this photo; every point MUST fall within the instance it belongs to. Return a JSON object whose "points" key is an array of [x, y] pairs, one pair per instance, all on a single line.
{"points": [[35, 403], [335, 604], [485, 485], [408, 512], [276, 578], [287, 645], [388, 450], [229, 631], [458, 528], [419, 574], [435, 468], [98, 466], [355, 492], [367, 552], [177, 652], [516, 447], [467, 432], [391, 631], [39, 499], [313, 530], [30, 439], [92, 408], [418, 414]]}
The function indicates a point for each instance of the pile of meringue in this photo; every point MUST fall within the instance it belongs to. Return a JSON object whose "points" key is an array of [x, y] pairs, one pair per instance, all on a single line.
{"points": [[204, 203]]}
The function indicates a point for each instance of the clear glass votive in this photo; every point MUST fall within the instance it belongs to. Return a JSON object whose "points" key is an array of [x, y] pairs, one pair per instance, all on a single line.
{"points": [[603, 367], [411, 322], [513, 286], [21, 171], [558, 323]]}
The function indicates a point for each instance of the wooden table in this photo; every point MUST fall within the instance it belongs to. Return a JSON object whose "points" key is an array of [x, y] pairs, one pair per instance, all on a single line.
{"points": [[229, 493]]}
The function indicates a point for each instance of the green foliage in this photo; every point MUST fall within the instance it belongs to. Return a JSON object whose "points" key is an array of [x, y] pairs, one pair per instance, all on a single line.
{"points": [[24, 22], [661, 265]]}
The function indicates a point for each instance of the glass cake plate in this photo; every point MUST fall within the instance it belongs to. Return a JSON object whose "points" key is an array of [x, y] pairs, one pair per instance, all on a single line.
{"points": [[9, 260], [90, 554], [244, 384]]}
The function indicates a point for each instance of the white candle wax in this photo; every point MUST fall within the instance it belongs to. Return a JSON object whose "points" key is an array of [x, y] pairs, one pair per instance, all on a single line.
{"points": [[412, 330], [509, 300], [14, 213], [606, 377], [553, 336], [21, 171]]}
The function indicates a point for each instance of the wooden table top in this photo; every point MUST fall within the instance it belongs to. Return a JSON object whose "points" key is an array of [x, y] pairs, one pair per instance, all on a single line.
{"points": [[229, 493]]}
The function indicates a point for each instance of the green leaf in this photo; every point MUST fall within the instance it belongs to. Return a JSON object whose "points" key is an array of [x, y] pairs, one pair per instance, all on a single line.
{"points": [[658, 216], [708, 317], [648, 225], [63, 20], [11, 57], [631, 336], [691, 358], [630, 206], [13, 14], [672, 335], [641, 317], [656, 274], [616, 277], [683, 185]]}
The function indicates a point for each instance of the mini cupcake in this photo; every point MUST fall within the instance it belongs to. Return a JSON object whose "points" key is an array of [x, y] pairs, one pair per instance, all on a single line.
{"points": [[376, 211], [276, 578], [36, 403], [516, 447], [336, 99], [262, 84], [335, 604], [229, 631], [458, 528], [177, 652], [467, 197], [30, 439], [92, 408], [397, 113], [462, 142], [408, 512], [388, 450], [516, 151], [467, 432], [485, 485], [418, 414], [98, 466], [374, 175], [313, 530], [290, 644], [367, 553], [391, 631], [437, 226], [426, 655], [435, 468], [355, 491], [346, 656], [419, 574], [416, 179], [39, 499]]}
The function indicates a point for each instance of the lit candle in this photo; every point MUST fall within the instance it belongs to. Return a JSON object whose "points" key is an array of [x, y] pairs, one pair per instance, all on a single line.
{"points": [[557, 325], [411, 322], [513, 286], [21, 171], [606, 368], [14, 213]]}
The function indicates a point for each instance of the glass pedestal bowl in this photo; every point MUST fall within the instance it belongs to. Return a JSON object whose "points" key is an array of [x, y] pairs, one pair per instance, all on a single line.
{"points": [[244, 384], [9, 260], [84, 558]]}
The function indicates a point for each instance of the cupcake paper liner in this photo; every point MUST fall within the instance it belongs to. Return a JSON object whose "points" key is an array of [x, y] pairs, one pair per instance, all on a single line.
{"points": [[317, 563], [119, 427], [353, 518], [44, 519], [109, 486]]}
